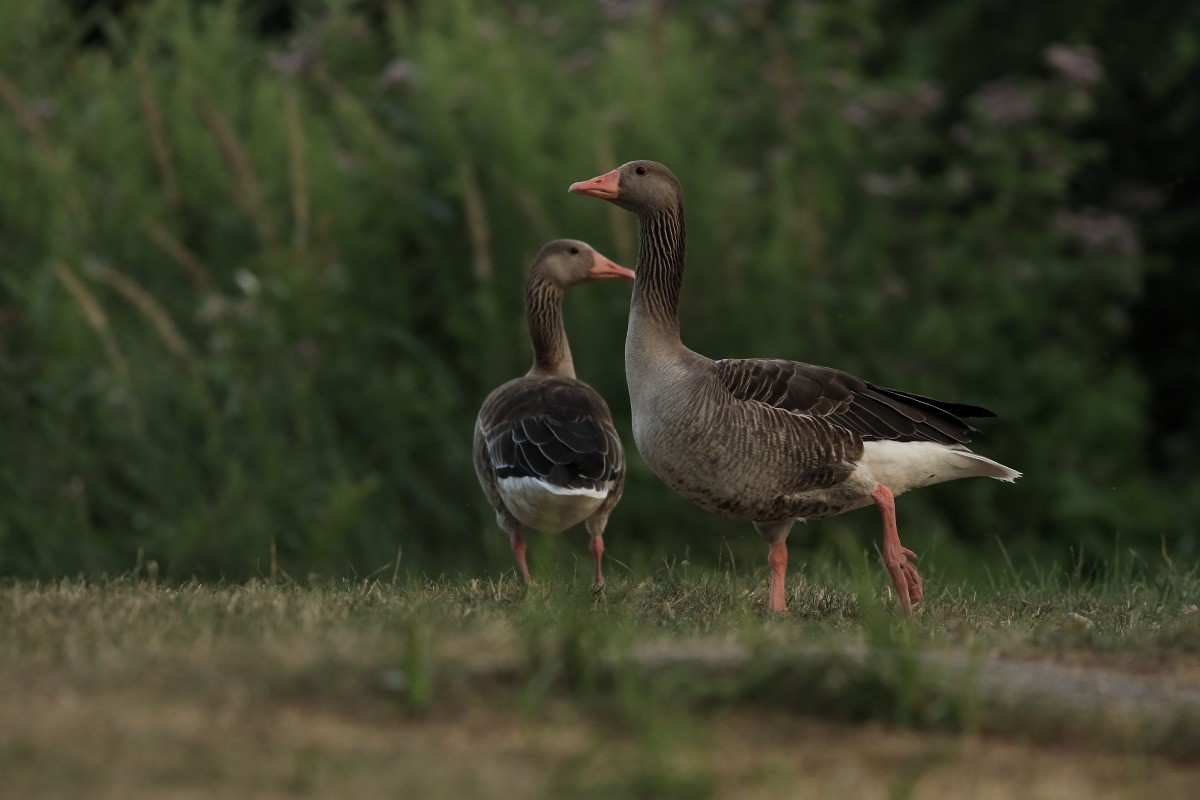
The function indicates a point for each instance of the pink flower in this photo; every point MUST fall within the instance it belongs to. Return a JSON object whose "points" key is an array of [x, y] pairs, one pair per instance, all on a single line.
{"points": [[1080, 65]]}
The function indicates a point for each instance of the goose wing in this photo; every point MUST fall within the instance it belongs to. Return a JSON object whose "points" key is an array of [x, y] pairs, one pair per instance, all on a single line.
{"points": [[556, 430], [872, 412]]}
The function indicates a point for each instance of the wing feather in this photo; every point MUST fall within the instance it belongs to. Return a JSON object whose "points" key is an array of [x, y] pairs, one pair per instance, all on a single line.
{"points": [[872, 412], [557, 430]]}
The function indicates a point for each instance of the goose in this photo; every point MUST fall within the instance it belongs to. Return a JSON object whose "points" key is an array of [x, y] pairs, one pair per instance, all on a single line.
{"points": [[545, 449], [770, 441]]}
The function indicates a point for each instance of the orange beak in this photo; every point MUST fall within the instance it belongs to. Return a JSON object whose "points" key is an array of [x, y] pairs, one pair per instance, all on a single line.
{"points": [[604, 269], [606, 186]]}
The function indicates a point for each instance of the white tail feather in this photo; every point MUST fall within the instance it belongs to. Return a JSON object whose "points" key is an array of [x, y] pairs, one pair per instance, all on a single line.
{"points": [[546, 507], [908, 465], [992, 469]]}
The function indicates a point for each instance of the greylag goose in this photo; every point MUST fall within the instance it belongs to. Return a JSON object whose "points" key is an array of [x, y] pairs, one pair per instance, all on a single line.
{"points": [[764, 440], [545, 451]]}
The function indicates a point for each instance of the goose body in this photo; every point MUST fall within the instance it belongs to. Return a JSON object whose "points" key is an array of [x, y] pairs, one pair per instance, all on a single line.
{"points": [[792, 455], [545, 450], [770, 441]]}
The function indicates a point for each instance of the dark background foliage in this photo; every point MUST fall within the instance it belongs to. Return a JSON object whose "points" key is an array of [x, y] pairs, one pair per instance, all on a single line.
{"points": [[260, 261]]}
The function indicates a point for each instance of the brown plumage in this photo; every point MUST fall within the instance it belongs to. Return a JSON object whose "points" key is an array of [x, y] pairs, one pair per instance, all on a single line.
{"points": [[764, 440], [546, 452]]}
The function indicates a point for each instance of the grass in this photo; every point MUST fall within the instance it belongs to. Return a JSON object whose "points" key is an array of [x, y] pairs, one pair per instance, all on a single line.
{"points": [[668, 686]]}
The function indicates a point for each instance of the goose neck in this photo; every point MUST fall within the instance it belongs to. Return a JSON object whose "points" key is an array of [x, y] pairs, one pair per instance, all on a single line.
{"points": [[543, 313], [660, 265]]}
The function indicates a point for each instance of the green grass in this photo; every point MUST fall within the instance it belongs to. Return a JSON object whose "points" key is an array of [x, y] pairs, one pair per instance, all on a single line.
{"points": [[671, 685]]}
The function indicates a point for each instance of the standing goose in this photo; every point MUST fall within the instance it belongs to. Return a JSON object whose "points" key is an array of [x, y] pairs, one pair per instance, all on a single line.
{"points": [[766, 440], [546, 452]]}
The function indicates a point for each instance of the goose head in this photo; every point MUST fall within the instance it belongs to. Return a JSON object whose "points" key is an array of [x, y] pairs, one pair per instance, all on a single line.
{"points": [[566, 262], [639, 186]]}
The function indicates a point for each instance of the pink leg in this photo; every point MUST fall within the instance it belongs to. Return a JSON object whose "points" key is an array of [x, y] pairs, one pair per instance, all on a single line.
{"points": [[518, 548], [777, 558], [896, 556], [597, 548]]}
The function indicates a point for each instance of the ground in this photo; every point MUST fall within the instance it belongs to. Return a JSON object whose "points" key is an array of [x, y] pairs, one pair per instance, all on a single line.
{"points": [[665, 688]]}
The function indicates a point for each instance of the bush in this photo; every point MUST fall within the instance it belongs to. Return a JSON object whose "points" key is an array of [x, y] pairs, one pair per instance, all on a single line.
{"points": [[254, 287]]}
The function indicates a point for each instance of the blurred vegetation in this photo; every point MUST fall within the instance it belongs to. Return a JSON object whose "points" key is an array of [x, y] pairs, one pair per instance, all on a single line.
{"points": [[260, 262]]}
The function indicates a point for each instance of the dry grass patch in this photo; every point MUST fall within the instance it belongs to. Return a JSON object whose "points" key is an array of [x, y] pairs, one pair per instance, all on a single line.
{"points": [[655, 689]]}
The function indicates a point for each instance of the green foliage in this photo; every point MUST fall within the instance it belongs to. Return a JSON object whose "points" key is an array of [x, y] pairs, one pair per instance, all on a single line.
{"points": [[252, 291]]}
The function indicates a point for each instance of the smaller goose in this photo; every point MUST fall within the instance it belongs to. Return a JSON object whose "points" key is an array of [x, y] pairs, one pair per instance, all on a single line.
{"points": [[546, 452], [770, 441]]}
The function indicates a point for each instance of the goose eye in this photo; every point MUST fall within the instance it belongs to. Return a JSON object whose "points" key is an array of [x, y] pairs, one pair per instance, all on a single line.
{"points": [[574, 251], [640, 170]]}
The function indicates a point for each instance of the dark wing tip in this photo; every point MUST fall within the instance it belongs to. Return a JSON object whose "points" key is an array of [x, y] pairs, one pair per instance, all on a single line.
{"points": [[963, 410]]}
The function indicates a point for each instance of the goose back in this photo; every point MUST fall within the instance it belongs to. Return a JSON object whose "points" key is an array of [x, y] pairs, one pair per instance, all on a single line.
{"points": [[547, 453]]}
